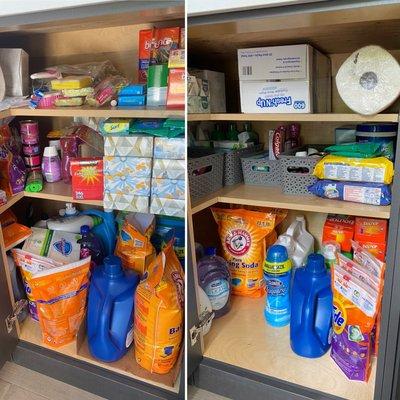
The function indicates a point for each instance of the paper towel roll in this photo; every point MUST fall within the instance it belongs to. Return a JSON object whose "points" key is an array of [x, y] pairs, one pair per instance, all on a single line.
{"points": [[369, 80]]}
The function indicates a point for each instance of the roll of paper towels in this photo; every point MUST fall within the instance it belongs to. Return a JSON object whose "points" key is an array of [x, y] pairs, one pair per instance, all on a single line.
{"points": [[369, 80]]}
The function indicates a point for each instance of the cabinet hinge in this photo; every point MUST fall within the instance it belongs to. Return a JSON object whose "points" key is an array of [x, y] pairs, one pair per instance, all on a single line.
{"points": [[12, 319], [202, 327]]}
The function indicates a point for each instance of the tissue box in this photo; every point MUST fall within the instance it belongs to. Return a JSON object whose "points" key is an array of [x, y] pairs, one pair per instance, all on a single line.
{"points": [[168, 188], [140, 167], [128, 145], [284, 79], [126, 202], [15, 66], [131, 101], [120, 184], [171, 207], [216, 83], [198, 104], [116, 125], [169, 169], [87, 178], [172, 148]]}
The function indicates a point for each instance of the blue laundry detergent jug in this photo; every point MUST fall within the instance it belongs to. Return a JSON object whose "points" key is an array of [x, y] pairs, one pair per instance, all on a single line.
{"points": [[106, 230], [311, 319], [277, 275], [110, 310]]}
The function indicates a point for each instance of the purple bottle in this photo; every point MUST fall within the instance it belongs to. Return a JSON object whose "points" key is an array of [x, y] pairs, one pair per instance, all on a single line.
{"points": [[51, 165], [215, 280], [91, 246]]}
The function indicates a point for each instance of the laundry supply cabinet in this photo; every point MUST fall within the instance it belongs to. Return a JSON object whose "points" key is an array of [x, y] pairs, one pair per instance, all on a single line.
{"points": [[242, 357], [70, 36]]}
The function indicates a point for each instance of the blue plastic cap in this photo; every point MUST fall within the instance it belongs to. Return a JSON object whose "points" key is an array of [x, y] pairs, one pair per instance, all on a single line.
{"points": [[85, 229], [316, 264], [210, 251], [277, 253], [112, 266]]}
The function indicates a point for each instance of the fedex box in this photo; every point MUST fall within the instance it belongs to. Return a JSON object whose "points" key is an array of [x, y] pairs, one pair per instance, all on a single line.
{"points": [[284, 79]]}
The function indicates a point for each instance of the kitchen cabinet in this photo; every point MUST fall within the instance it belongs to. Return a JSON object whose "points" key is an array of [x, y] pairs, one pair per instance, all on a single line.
{"points": [[242, 357], [97, 33]]}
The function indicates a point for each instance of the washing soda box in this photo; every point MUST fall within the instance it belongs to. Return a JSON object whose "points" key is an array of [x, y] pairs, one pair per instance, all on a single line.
{"points": [[340, 229], [371, 234], [87, 178]]}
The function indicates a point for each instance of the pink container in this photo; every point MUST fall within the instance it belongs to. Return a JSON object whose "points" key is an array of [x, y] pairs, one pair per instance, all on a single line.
{"points": [[29, 132], [31, 149], [47, 101], [32, 161]]}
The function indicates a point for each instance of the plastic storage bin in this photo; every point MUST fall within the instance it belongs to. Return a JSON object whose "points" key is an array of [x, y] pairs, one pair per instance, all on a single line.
{"points": [[233, 173], [205, 172], [258, 169], [297, 172]]}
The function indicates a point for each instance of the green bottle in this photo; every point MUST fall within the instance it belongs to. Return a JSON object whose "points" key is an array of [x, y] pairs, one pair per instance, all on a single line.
{"points": [[253, 136], [217, 133], [232, 132]]}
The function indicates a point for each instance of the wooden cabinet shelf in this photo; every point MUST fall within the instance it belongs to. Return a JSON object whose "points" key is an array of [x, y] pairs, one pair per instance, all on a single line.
{"points": [[331, 117], [102, 112], [273, 197]]}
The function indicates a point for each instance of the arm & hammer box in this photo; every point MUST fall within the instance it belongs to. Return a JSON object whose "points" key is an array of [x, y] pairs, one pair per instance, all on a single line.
{"points": [[284, 79]]}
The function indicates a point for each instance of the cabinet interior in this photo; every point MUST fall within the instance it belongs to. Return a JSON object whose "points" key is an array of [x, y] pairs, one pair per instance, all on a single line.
{"points": [[241, 337], [72, 42]]}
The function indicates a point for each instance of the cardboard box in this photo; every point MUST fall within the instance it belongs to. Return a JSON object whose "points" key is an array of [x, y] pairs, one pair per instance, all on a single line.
{"points": [[128, 145], [284, 79], [176, 89], [198, 105], [171, 207], [371, 234], [216, 85], [340, 229], [126, 202], [15, 66], [169, 169], [87, 178], [168, 188]]}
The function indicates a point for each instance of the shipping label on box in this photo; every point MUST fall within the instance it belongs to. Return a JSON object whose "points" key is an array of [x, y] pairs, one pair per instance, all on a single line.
{"points": [[168, 188], [128, 145], [173, 148], [171, 207], [169, 169], [126, 202], [140, 167], [275, 97], [277, 62]]}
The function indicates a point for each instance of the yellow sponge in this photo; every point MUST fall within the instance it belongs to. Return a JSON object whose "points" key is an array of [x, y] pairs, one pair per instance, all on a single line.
{"points": [[71, 82]]}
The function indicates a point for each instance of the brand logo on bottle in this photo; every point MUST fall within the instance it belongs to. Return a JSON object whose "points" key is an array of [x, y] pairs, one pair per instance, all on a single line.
{"points": [[339, 317], [238, 242], [63, 246]]}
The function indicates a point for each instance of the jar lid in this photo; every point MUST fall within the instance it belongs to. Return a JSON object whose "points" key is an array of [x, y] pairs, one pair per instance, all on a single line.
{"points": [[387, 127], [50, 151]]}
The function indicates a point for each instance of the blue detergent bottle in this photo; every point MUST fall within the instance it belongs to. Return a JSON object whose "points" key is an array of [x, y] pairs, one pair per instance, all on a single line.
{"points": [[311, 320], [106, 231], [110, 310], [277, 275]]}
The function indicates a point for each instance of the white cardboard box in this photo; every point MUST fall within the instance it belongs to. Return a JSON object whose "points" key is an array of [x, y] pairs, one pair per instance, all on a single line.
{"points": [[284, 79]]}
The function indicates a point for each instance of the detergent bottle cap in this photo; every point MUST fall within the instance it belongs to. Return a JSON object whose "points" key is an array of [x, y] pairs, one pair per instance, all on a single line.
{"points": [[70, 209], [277, 254], [85, 229], [316, 264], [210, 251], [112, 266]]}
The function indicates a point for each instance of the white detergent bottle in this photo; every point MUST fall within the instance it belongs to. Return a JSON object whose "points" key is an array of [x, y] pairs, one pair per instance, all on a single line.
{"points": [[298, 242]]}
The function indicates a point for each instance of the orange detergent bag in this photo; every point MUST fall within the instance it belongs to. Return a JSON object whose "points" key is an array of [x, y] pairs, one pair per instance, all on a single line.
{"points": [[243, 236], [60, 295], [159, 313], [13, 232], [133, 242]]}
